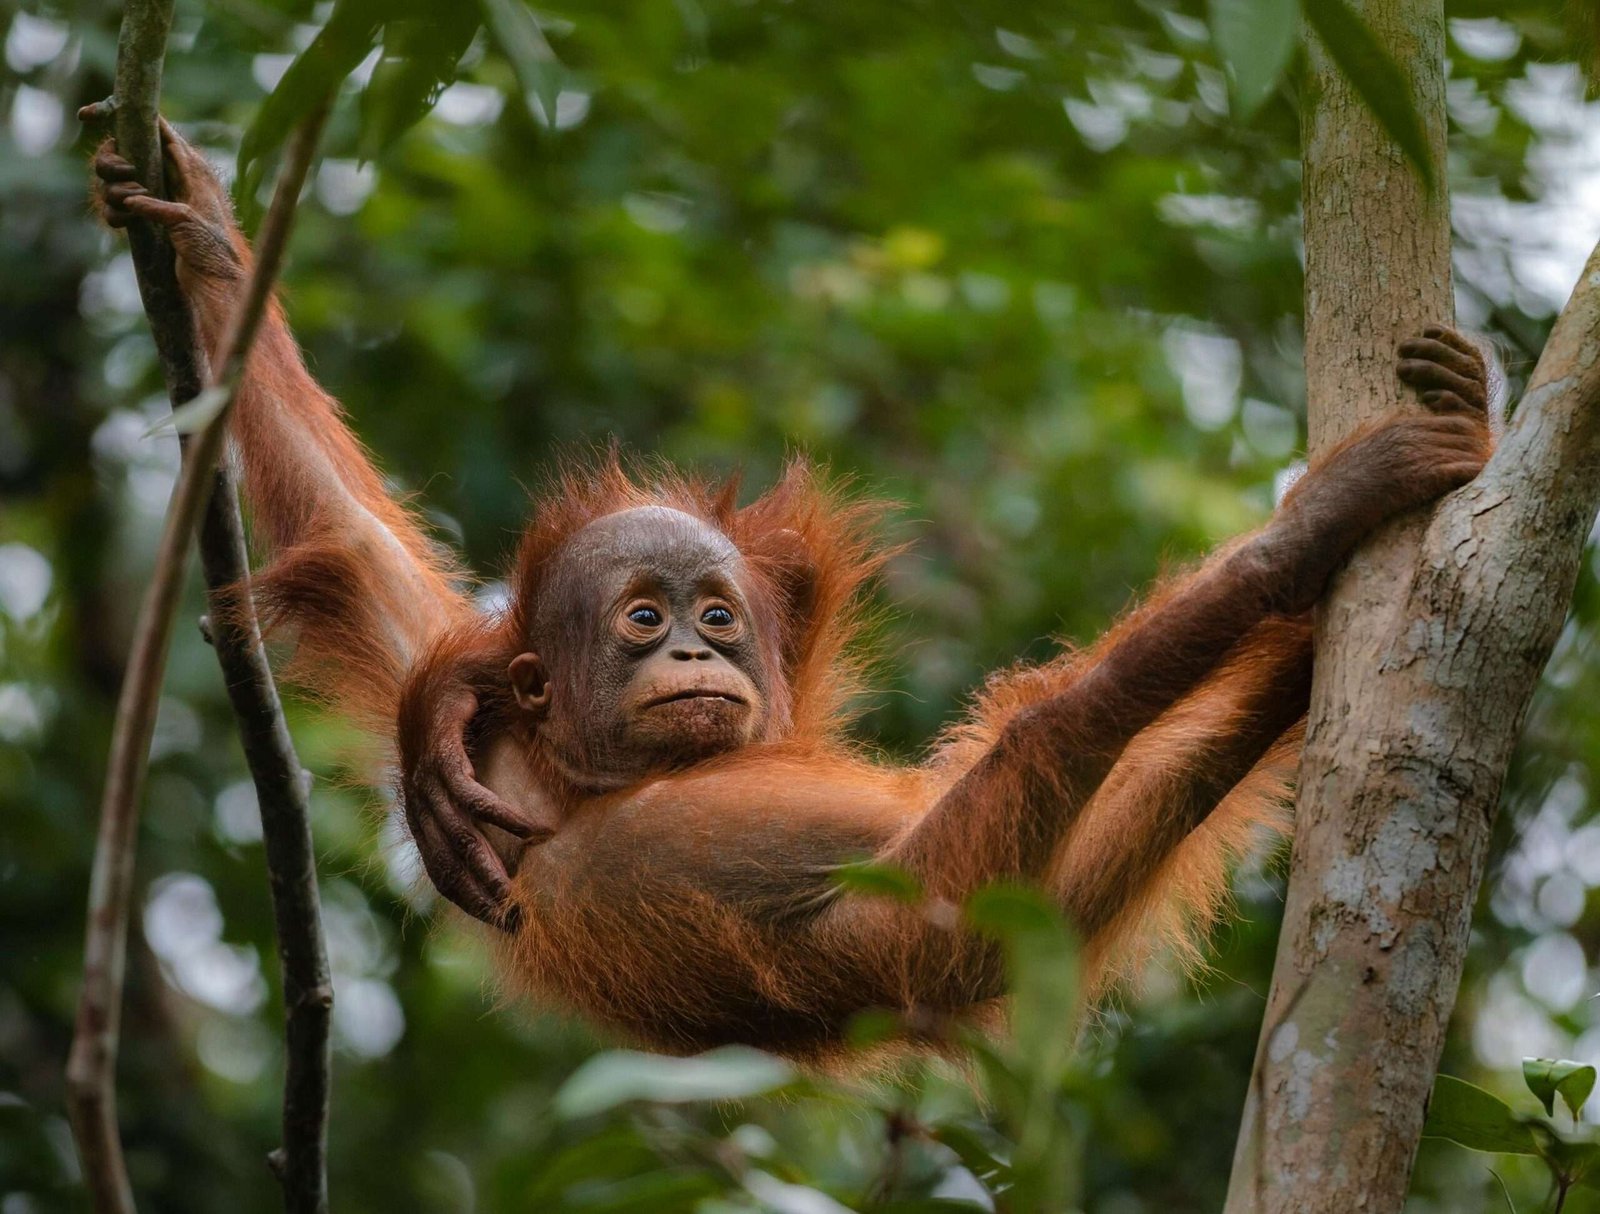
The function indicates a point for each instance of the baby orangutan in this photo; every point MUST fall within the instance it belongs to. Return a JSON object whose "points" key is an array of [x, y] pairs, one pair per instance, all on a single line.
{"points": [[652, 733]]}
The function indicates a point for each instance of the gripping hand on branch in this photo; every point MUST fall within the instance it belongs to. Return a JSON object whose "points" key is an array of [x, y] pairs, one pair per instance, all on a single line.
{"points": [[213, 256], [1400, 462]]}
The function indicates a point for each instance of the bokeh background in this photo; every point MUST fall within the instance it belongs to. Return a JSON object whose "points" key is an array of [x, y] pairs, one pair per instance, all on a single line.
{"points": [[1013, 266]]}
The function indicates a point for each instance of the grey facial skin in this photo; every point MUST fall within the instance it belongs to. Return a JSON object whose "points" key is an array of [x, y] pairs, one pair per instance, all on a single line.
{"points": [[649, 636]]}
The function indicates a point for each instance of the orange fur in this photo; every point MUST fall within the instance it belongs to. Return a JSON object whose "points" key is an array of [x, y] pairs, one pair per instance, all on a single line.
{"points": [[732, 930], [698, 906], [353, 575], [688, 960]]}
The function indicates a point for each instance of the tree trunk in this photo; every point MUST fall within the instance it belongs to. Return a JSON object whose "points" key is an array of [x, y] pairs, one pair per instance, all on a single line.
{"points": [[1429, 648]]}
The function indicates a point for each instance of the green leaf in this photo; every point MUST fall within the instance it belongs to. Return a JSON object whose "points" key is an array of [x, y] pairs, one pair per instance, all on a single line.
{"points": [[1549, 1077], [613, 1151], [516, 32], [193, 415], [1008, 911], [881, 880], [873, 1027], [1504, 1191], [1042, 959], [1008, 1087], [318, 70], [420, 55], [980, 1150], [1377, 80], [1044, 1001], [1255, 39], [1466, 1114], [619, 1076]]}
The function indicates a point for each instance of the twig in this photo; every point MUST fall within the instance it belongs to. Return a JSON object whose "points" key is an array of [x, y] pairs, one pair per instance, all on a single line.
{"points": [[234, 348], [1504, 1192], [91, 1065], [899, 1124]]}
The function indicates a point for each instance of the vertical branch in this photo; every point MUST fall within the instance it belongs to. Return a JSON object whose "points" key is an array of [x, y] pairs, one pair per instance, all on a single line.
{"points": [[282, 786], [91, 1065], [283, 791], [141, 56], [1349, 1044], [1353, 1023], [1429, 650]]}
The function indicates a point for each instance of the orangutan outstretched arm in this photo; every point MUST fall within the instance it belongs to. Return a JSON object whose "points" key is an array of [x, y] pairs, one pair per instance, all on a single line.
{"points": [[352, 572]]}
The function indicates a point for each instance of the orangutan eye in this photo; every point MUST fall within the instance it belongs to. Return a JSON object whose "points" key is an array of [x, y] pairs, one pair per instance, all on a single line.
{"points": [[717, 617], [645, 617]]}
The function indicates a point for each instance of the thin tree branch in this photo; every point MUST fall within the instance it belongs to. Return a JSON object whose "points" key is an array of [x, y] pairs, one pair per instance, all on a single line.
{"points": [[284, 793], [136, 98], [91, 1065], [282, 785], [1500, 560]]}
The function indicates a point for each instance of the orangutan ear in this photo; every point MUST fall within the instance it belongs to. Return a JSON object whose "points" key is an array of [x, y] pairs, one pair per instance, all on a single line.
{"points": [[530, 683]]}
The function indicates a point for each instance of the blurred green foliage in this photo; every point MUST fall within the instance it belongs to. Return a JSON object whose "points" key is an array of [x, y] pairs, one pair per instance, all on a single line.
{"points": [[1018, 268]]}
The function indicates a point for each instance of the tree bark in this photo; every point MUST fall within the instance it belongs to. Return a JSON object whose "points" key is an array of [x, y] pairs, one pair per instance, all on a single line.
{"points": [[1429, 649], [283, 790]]}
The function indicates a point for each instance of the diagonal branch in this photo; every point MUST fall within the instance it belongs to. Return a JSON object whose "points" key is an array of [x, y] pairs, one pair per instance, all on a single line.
{"points": [[91, 1065], [1552, 443], [1500, 561]]}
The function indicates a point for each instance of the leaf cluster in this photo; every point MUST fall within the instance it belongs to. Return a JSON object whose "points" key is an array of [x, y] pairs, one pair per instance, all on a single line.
{"points": [[1469, 1116]]}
